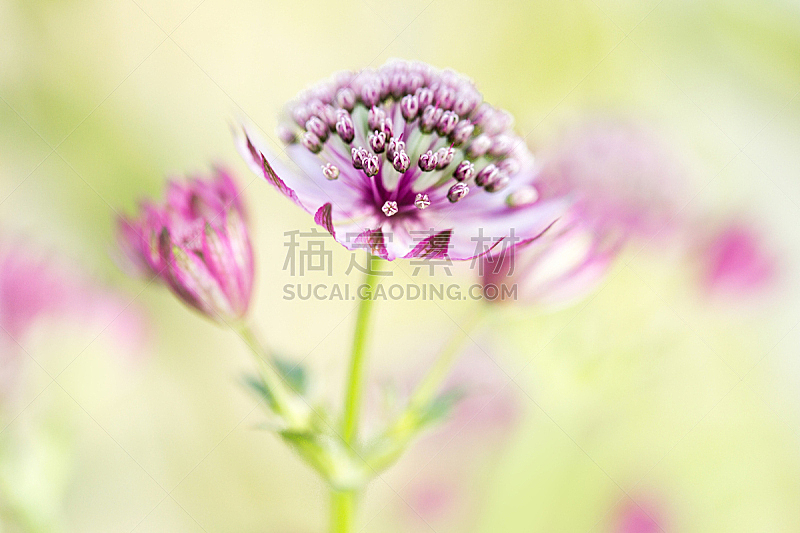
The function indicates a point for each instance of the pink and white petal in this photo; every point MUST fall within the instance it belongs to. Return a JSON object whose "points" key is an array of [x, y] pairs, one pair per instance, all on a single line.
{"points": [[191, 279], [347, 231], [324, 218], [343, 192], [264, 163], [433, 247], [372, 240], [474, 234], [218, 258], [306, 181]]}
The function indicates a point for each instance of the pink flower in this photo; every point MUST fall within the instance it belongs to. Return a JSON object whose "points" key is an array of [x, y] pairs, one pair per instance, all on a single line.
{"points": [[431, 501], [568, 263], [197, 243], [622, 184], [34, 288], [624, 180], [736, 261], [407, 161], [633, 519]]}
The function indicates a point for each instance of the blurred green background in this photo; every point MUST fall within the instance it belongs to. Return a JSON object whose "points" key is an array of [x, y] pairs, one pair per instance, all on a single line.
{"points": [[645, 391]]}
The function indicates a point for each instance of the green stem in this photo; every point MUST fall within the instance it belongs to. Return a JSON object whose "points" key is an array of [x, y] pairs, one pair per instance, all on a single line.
{"points": [[343, 503], [279, 393], [343, 506], [355, 379]]}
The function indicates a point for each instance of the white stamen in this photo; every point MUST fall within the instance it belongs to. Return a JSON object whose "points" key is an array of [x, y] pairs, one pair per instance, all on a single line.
{"points": [[389, 208]]}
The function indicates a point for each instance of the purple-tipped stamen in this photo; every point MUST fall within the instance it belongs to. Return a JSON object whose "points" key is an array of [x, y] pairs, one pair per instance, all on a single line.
{"points": [[464, 171], [457, 192], [428, 161]]}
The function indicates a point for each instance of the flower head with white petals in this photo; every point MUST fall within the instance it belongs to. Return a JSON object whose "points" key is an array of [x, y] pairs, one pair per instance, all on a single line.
{"points": [[385, 154]]}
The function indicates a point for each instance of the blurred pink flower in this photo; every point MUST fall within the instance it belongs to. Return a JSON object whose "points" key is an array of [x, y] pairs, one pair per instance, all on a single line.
{"points": [[34, 288], [489, 408], [633, 518], [735, 260], [623, 184], [571, 264], [197, 242], [30, 288], [624, 179], [432, 501]]}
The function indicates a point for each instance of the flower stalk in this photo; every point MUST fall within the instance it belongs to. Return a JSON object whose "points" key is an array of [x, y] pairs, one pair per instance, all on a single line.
{"points": [[343, 503], [295, 412], [355, 379], [343, 507]]}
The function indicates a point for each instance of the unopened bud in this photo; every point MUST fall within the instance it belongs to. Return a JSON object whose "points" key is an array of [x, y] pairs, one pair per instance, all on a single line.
{"points": [[479, 145], [285, 134], [425, 97], [331, 172], [430, 117], [457, 192], [345, 128], [375, 118], [523, 196], [487, 175], [445, 156], [428, 161], [445, 97], [462, 132], [409, 107], [401, 161], [464, 171], [358, 156], [318, 127], [377, 141], [346, 98], [370, 94], [312, 142], [500, 183], [372, 164], [509, 166], [394, 147], [447, 123]]}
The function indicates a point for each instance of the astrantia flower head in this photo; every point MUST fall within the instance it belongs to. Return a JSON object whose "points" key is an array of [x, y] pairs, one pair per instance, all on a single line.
{"points": [[197, 243], [566, 265], [408, 161], [623, 178], [623, 184]]}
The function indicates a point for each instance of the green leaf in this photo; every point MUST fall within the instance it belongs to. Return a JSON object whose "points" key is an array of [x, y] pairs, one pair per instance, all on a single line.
{"points": [[295, 375], [439, 408]]}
